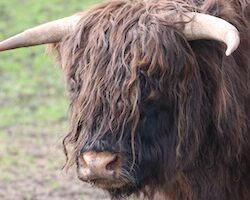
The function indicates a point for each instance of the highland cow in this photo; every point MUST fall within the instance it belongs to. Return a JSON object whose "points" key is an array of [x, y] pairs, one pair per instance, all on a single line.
{"points": [[156, 107]]}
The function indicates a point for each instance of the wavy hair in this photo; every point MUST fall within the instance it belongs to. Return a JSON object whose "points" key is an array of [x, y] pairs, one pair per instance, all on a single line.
{"points": [[124, 54], [102, 59]]}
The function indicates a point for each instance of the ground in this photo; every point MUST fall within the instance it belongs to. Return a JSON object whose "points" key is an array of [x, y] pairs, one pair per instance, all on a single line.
{"points": [[33, 110], [30, 165]]}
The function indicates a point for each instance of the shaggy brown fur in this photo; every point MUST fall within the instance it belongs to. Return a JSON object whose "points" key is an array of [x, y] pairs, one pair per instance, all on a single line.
{"points": [[123, 56]]}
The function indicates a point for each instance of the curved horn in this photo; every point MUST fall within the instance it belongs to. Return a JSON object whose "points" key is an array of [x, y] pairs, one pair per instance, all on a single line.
{"points": [[203, 26], [50, 32]]}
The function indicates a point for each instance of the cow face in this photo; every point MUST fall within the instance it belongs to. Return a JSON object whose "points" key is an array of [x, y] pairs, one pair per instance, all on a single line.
{"points": [[129, 137], [133, 86]]}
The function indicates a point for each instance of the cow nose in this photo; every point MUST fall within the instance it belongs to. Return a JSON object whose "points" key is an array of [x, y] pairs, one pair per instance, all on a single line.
{"points": [[99, 166]]}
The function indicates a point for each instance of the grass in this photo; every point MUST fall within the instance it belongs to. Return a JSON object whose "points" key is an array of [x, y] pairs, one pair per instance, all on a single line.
{"points": [[33, 102], [32, 89]]}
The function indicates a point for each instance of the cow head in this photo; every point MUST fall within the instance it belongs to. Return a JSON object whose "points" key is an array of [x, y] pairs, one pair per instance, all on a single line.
{"points": [[135, 90]]}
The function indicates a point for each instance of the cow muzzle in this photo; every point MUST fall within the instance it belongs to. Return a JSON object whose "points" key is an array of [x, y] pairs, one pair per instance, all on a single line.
{"points": [[102, 169]]}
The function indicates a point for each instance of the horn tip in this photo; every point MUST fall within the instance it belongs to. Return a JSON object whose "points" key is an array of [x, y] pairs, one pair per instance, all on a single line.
{"points": [[232, 39]]}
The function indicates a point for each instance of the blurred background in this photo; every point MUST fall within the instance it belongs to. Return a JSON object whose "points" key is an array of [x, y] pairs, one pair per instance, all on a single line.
{"points": [[33, 110]]}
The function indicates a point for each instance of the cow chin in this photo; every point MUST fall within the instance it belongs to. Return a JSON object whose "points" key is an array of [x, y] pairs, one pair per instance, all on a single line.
{"points": [[106, 184]]}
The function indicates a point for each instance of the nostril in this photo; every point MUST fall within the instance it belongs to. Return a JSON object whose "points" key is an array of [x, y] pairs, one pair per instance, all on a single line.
{"points": [[94, 165], [114, 165]]}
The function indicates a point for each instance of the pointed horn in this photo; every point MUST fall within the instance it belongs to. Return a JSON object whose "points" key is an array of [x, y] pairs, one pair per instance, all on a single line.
{"points": [[203, 26], [50, 32]]}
